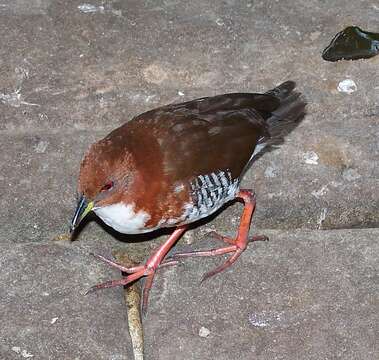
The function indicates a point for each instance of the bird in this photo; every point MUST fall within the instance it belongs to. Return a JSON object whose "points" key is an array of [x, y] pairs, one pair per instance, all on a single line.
{"points": [[174, 165]]}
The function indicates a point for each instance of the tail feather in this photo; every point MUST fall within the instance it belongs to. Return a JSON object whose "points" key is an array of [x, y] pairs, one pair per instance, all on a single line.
{"points": [[287, 116], [281, 121], [283, 90]]}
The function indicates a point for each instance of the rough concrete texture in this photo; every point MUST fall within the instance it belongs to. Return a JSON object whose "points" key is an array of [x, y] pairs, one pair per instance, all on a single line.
{"points": [[44, 313], [303, 295], [71, 71], [68, 69]]}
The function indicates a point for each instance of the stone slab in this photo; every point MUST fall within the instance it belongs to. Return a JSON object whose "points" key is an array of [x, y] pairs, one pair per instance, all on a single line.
{"points": [[44, 312], [303, 295], [73, 65]]}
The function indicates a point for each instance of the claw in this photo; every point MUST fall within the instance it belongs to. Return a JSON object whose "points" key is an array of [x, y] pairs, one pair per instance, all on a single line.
{"points": [[105, 285], [223, 266], [134, 273], [213, 234], [119, 282], [258, 238]]}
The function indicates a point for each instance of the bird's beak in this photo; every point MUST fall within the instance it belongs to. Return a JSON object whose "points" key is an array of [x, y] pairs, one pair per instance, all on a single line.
{"points": [[83, 208]]}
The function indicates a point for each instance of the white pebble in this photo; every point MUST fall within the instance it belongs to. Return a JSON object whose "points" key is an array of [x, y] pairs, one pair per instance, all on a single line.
{"points": [[310, 157], [89, 8], [23, 353], [16, 349], [53, 320], [270, 172], [219, 22], [258, 320], [180, 93], [204, 332], [347, 86]]}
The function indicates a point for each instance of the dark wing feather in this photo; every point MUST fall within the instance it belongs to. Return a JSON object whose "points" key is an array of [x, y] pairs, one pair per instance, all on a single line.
{"points": [[208, 135], [213, 133], [228, 102]]}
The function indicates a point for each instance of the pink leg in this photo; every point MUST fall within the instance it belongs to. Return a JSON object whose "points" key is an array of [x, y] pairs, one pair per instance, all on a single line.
{"points": [[237, 245], [231, 241], [146, 291], [131, 270], [148, 270]]}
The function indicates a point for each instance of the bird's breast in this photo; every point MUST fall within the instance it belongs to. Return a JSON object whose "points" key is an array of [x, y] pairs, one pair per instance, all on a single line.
{"points": [[124, 218]]}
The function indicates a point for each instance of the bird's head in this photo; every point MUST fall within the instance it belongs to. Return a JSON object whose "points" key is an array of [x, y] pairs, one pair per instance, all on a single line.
{"points": [[105, 174]]}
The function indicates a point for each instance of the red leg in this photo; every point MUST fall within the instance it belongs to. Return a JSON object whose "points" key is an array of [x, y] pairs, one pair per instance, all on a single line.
{"points": [[148, 270], [131, 270], [237, 245], [231, 241], [146, 290]]}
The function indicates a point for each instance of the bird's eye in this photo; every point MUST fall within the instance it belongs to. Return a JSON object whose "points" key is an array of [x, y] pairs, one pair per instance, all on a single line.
{"points": [[108, 186]]}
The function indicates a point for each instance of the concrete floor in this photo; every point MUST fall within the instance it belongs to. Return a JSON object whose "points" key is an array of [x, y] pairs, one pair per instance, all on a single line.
{"points": [[71, 71]]}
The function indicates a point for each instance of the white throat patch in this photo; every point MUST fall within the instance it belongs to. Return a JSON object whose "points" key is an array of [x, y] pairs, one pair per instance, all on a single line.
{"points": [[123, 218]]}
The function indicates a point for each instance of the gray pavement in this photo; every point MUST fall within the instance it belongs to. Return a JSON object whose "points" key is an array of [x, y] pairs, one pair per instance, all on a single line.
{"points": [[71, 71], [43, 309], [302, 295]]}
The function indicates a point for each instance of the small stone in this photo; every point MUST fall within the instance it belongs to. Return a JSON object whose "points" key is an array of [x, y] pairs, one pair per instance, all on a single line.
{"points": [[270, 172], [351, 44], [258, 320], [219, 22], [53, 320], [347, 86], [26, 354], [204, 332], [89, 8], [23, 353], [310, 157], [16, 349]]}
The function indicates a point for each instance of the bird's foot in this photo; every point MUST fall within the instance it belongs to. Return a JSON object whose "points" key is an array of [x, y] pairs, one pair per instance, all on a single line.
{"points": [[133, 274], [148, 270], [236, 247], [131, 270]]}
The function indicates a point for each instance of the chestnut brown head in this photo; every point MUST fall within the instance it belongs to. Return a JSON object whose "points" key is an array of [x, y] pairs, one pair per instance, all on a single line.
{"points": [[105, 174]]}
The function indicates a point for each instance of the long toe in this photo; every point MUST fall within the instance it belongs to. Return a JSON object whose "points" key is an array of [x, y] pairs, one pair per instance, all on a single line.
{"points": [[258, 238], [146, 291], [119, 282], [210, 252], [229, 262], [215, 235], [107, 284], [128, 270]]}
